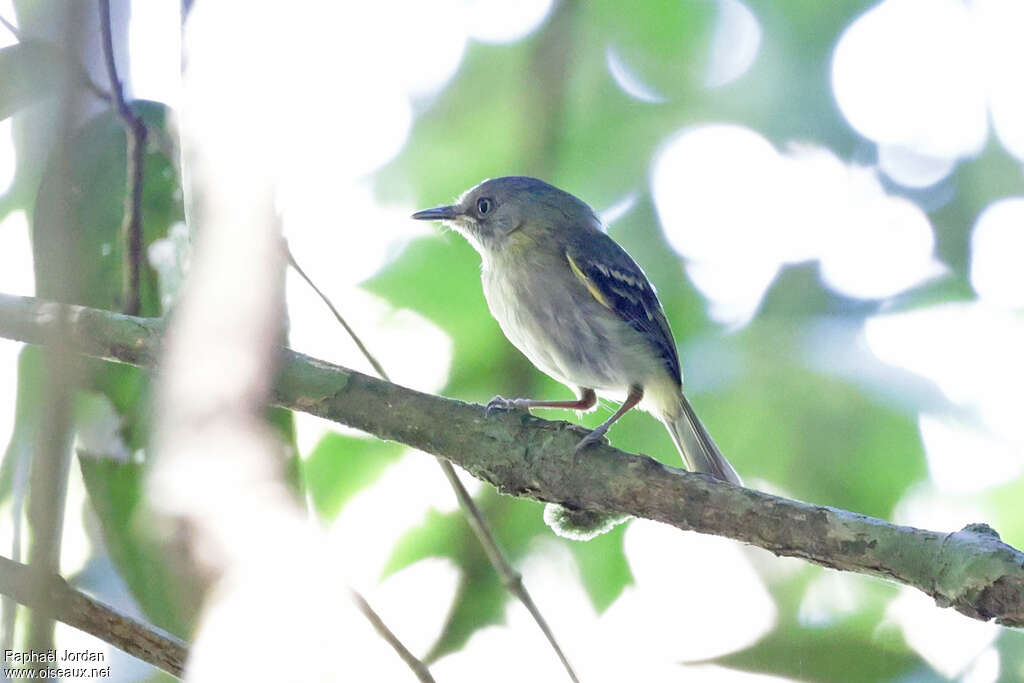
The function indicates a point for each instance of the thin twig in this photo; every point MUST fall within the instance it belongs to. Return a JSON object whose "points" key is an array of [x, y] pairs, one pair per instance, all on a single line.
{"points": [[418, 667], [74, 608], [510, 578], [351, 333], [135, 135], [10, 27]]}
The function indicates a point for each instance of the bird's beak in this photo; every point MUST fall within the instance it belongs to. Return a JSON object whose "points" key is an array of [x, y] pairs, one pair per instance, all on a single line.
{"points": [[440, 213]]}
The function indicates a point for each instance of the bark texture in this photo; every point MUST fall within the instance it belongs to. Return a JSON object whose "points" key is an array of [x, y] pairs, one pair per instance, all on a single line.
{"points": [[971, 570]]}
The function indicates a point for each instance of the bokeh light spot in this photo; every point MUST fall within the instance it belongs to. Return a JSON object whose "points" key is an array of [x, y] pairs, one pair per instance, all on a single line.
{"points": [[738, 210], [943, 637], [906, 73], [997, 245], [498, 21], [734, 43], [627, 80], [972, 353], [947, 440], [911, 169], [154, 43]]}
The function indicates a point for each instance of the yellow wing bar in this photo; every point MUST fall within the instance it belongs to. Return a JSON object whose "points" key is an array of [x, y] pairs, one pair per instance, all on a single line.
{"points": [[591, 287]]}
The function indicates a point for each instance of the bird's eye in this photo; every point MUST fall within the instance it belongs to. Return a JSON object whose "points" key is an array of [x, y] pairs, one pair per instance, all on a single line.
{"points": [[484, 205]]}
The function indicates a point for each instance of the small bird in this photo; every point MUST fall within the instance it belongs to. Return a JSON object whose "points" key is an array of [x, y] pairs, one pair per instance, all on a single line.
{"points": [[577, 305]]}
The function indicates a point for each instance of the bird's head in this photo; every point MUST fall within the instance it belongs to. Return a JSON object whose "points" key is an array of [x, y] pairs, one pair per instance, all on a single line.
{"points": [[500, 212]]}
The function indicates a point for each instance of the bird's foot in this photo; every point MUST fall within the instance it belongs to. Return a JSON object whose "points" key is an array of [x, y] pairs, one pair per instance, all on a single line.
{"points": [[595, 437], [502, 403]]}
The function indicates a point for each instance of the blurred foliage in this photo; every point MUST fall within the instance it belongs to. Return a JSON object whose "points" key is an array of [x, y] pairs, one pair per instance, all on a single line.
{"points": [[480, 598], [97, 173], [815, 434], [341, 466], [32, 71], [836, 652], [116, 494], [547, 106]]}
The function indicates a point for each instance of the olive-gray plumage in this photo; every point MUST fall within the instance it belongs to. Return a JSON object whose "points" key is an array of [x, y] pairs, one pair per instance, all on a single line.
{"points": [[578, 306]]}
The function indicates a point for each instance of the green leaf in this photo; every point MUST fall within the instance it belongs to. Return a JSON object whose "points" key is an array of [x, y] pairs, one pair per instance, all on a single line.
{"points": [[856, 646], [341, 466], [1006, 501], [29, 71], [1011, 651], [603, 566], [116, 495], [94, 205], [480, 598], [439, 535]]}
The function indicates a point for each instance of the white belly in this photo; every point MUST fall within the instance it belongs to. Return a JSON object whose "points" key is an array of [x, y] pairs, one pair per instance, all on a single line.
{"points": [[569, 336]]}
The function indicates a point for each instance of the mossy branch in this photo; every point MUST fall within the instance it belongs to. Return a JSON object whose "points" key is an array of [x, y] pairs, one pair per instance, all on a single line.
{"points": [[970, 570]]}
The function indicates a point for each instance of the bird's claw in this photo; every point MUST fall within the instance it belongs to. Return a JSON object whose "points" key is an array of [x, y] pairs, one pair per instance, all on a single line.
{"points": [[592, 439], [502, 403]]}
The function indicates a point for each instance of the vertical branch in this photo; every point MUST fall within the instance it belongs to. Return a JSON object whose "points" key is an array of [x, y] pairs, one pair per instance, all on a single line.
{"points": [[51, 461], [135, 148], [28, 412], [48, 480], [549, 67], [510, 578]]}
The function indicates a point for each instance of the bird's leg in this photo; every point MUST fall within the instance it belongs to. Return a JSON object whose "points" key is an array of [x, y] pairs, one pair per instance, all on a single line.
{"points": [[586, 401], [635, 395]]}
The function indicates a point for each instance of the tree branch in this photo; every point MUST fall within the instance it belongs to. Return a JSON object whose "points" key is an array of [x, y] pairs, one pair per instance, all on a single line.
{"points": [[62, 602], [970, 570], [135, 151], [418, 668], [51, 459]]}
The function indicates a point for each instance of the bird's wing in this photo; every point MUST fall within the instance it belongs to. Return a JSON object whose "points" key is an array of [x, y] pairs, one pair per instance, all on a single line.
{"points": [[617, 282]]}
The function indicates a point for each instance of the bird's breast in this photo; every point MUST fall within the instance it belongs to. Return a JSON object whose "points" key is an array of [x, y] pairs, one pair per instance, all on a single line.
{"points": [[564, 331]]}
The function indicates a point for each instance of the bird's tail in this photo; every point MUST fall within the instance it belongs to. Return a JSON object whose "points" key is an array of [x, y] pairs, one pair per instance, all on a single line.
{"points": [[695, 444]]}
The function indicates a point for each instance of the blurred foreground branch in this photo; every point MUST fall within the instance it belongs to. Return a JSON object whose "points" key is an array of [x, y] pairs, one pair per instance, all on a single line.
{"points": [[51, 458], [970, 570], [218, 482]]}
